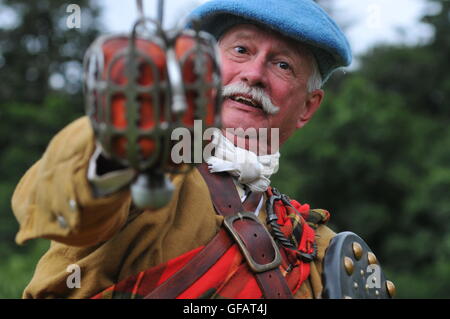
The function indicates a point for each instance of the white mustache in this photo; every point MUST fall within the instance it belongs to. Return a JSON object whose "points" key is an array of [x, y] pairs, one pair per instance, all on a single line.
{"points": [[256, 94]]}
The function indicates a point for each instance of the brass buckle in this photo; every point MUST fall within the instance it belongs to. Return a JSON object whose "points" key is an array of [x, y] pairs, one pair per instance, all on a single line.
{"points": [[256, 267]]}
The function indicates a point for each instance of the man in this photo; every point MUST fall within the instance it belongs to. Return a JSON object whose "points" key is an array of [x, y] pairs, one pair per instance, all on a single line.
{"points": [[275, 56]]}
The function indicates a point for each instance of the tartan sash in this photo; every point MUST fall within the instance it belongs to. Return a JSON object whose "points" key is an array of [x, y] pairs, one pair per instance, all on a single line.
{"points": [[230, 276]]}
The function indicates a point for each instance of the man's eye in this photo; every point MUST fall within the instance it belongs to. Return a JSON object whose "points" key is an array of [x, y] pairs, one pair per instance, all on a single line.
{"points": [[284, 65], [240, 50]]}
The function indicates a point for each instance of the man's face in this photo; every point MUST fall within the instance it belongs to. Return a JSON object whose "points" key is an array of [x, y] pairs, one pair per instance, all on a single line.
{"points": [[280, 67]]}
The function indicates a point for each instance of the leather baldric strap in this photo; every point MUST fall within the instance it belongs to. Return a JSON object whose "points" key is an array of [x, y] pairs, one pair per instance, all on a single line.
{"points": [[241, 226], [194, 269], [254, 240]]}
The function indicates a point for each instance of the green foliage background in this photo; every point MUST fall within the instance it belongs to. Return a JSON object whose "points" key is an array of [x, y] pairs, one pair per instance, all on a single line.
{"points": [[39, 47], [377, 153]]}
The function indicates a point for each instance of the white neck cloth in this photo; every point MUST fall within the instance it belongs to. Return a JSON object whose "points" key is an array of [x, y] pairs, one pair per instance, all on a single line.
{"points": [[250, 169]]}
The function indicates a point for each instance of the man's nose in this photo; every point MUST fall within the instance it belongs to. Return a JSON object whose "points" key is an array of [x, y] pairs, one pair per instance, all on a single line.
{"points": [[253, 73]]}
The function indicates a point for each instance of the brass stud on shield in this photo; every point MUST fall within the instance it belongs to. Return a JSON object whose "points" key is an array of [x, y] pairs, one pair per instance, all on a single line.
{"points": [[348, 264], [372, 259], [390, 288], [357, 250]]}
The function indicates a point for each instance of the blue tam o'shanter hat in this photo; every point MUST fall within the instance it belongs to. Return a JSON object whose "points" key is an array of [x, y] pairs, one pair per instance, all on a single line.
{"points": [[301, 20]]}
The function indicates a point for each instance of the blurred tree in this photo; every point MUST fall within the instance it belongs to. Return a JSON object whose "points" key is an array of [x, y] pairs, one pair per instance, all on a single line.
{"points": [[38, 48], [419, 73], [41, 73]]}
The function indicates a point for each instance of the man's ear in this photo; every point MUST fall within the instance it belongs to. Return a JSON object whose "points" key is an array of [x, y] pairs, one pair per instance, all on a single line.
{"points": [[312, 104]]}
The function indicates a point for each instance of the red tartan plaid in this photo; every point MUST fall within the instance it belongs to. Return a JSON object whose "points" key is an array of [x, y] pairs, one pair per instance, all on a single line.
{"points": [[230, 277]]}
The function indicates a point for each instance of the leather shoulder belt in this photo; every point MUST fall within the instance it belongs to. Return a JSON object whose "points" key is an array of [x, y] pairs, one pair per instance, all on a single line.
{"points": [[256, 243], [241, 226]]}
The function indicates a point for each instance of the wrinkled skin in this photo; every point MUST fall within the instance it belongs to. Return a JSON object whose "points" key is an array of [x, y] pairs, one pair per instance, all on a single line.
{"points": [[281, 67]]}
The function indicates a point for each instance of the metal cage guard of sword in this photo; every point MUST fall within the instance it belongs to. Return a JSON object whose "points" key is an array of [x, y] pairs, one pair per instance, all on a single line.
{"points": [[176, 73]]}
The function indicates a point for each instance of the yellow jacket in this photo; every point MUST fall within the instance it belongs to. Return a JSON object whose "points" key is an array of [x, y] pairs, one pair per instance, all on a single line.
{"points": [[106, 237]]}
